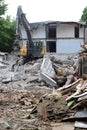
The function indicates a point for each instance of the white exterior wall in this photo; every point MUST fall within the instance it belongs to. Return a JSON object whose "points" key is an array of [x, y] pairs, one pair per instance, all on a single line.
{"points": [[65, 30], [39, 33], [68, 45]]}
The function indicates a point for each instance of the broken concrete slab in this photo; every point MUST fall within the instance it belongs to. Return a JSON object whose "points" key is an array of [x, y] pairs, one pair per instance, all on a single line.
{"points": [[11, 76], [31, 79], [8, 77], [32, 68], [48, 80], [47, 68], [47, 72], [81, 124], [81, 114]]}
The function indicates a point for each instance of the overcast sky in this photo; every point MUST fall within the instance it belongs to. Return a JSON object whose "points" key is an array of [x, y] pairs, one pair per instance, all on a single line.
{"points": [[45, 10]]}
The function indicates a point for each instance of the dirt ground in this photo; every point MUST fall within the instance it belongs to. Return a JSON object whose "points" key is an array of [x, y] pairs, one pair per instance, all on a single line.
{"points": [[15, 109], [63, 126], [22, 110]]}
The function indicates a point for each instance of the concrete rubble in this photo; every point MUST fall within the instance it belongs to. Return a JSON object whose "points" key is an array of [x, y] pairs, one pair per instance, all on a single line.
{"points": [[42, 91]]}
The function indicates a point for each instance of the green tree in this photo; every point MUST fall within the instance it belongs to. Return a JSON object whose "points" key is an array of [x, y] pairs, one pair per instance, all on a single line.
{"points": [[7, 34], [3, 7], [84, 15], [7, 29]]}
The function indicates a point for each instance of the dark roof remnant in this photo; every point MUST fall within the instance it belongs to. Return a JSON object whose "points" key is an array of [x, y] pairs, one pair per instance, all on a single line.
{"points": [[35, 25]]}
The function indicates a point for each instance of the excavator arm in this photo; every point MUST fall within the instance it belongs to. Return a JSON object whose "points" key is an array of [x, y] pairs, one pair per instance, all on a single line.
{"points": [[28, 48], [23, 31]]}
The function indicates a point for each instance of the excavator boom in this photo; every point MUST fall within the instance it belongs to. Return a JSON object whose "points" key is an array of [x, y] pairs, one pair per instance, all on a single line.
{"points": [[28, 48]]}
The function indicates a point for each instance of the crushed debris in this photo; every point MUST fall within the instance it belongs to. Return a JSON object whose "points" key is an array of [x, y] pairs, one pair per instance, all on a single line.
{"points": [[40, 92]]}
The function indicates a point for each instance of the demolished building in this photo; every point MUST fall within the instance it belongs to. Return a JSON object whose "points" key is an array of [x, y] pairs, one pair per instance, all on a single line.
{"points": [[58, 36]]}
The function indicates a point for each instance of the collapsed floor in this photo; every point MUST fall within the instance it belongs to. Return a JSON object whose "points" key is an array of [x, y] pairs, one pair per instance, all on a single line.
{"points": [[34, 95]]}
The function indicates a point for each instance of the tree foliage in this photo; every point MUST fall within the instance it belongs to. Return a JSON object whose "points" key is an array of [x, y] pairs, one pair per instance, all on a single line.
{"points": [[3, 7], [7, 30], [7, 34], [84, 15]]}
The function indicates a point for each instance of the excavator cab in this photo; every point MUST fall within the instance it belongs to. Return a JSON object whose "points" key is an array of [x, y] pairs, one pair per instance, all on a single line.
{"points": [[34, 52]]}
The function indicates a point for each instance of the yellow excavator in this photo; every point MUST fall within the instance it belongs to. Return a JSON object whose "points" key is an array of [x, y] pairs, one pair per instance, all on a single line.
{"points": [[26, 47]]}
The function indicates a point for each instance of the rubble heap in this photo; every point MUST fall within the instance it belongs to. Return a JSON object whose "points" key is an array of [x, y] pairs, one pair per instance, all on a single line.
{"points": [[43, 90]]}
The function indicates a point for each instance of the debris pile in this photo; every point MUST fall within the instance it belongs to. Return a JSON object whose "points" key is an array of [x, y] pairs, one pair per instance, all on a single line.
{"points": [[43, 90], [84, 50], [57, 73]]}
